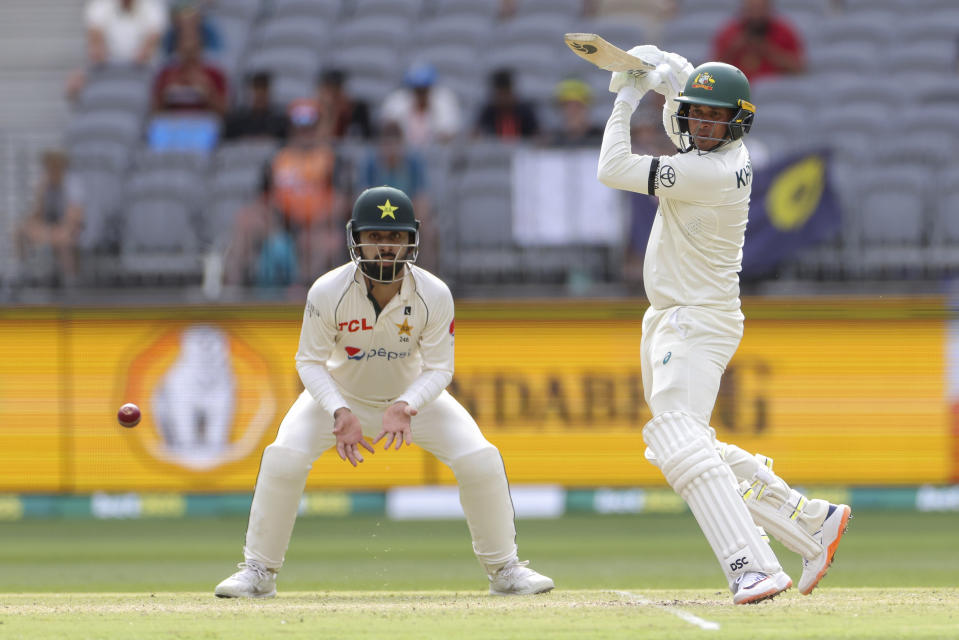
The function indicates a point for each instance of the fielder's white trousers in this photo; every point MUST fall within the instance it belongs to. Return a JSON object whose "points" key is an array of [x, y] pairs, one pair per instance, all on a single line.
{"points": [[442, 427]]}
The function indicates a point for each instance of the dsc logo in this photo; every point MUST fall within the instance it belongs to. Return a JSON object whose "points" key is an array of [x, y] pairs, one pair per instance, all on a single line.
{"points": [[738, 564]]}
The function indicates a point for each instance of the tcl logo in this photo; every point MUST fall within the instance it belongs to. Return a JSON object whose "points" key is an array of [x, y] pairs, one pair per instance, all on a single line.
{"points": [[355, 325]]}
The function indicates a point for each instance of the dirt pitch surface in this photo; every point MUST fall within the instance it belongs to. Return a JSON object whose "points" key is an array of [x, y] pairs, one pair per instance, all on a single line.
{"points": [[872, 614]]}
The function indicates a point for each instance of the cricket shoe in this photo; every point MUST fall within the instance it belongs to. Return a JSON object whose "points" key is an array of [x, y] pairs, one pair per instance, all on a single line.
{"points": [[253, 580], [828, 536], [516, 579], [753, 586]]}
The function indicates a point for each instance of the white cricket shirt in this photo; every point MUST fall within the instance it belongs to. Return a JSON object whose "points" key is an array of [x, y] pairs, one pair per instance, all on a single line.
{"points": [[694, 253], [347, 353]]}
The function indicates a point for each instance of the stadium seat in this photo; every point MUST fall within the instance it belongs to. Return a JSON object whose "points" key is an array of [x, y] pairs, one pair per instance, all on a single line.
{"points": [[866, 29], [101, 199], [930, 55], [244, 153], [115, 89], [450, 30], [570, 9], [542, 30], [401, 10], [482, 9], [310, 32], [109, 155], [945, 228], [98, 125], [936, 25], [844, 57], [285, 88], [159, 239], [622, 33], [279, 60], [891, 218], [244, 9], [372, 30], [852, 130], [327, 9], [802, 90]]}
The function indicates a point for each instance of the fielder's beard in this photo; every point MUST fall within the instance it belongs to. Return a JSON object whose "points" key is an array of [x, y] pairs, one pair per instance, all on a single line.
{"points": [[383, 268]]}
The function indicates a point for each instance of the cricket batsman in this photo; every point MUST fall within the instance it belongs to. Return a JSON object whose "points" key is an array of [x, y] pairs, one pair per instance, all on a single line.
{"points": [[375, 358], [694, 323]]}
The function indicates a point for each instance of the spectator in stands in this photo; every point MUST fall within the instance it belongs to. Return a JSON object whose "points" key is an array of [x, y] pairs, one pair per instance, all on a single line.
{"points": [[188, 83], [504, 115], [349, 116], [392, 163], [576, 127], [310, 183], [251, 226], [647, 15], [190, 16], [123, 33], [427, 112], [760, 42], [257, 118], [56, 218]]}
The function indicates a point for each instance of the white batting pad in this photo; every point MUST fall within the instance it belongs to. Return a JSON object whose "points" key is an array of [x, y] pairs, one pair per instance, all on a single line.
{"points": [[694, 470], [279, 486], [785, 513], [484, 494]]}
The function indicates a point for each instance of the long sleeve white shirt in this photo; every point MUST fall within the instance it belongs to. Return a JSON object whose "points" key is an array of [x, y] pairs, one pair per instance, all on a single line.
{"points": [[694, 253], [347, 353]]}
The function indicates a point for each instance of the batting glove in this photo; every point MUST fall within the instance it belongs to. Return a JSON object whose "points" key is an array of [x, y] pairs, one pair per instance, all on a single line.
{"points": [[649, 53], [630, 87], [675, 71]]}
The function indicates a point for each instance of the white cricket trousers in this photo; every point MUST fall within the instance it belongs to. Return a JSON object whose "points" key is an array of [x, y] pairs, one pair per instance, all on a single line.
{"points": [[684, 353], [442, 427]]}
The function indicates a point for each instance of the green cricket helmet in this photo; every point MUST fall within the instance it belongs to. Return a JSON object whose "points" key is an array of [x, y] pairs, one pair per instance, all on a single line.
{"points": [[388, 209], [715, 84]]}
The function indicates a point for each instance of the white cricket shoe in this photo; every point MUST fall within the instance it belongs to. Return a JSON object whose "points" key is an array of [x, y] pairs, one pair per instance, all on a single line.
{"points": [[253, 580], [753, 586], [829, 535], [516, 579]]}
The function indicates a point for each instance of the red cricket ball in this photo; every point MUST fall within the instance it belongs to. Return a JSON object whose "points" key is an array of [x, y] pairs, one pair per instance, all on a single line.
{"points": [[129, 415]]}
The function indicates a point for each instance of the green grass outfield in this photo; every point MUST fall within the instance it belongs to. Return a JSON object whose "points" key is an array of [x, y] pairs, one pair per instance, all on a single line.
{"points": [[646, 576]]}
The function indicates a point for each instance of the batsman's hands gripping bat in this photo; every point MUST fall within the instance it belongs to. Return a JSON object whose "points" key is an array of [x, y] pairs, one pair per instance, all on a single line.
{"points": [[396, 425], [349, 436]]}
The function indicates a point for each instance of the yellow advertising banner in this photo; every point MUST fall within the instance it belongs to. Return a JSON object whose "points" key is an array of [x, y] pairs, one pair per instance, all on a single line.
{"points": [[846, 392]]}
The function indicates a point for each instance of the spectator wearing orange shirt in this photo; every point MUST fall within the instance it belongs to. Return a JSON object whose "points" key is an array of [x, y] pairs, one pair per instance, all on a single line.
{"points": [[307, 183], [760, 42]]}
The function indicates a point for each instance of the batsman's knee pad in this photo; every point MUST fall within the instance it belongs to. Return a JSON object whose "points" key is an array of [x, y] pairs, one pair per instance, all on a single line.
{"points": [[694, 470], [783, 512], [484, 495]]}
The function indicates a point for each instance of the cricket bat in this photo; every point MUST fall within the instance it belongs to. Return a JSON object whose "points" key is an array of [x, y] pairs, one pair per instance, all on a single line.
{"points": [[603, 54]]}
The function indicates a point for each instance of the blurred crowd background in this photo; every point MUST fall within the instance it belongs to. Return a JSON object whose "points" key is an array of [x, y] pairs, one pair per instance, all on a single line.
{"points": [[211, 149]]}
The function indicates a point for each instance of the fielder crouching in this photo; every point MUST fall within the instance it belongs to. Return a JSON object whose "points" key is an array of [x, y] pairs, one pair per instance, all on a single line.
{"points": [[694, 323], [375, 356]]}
